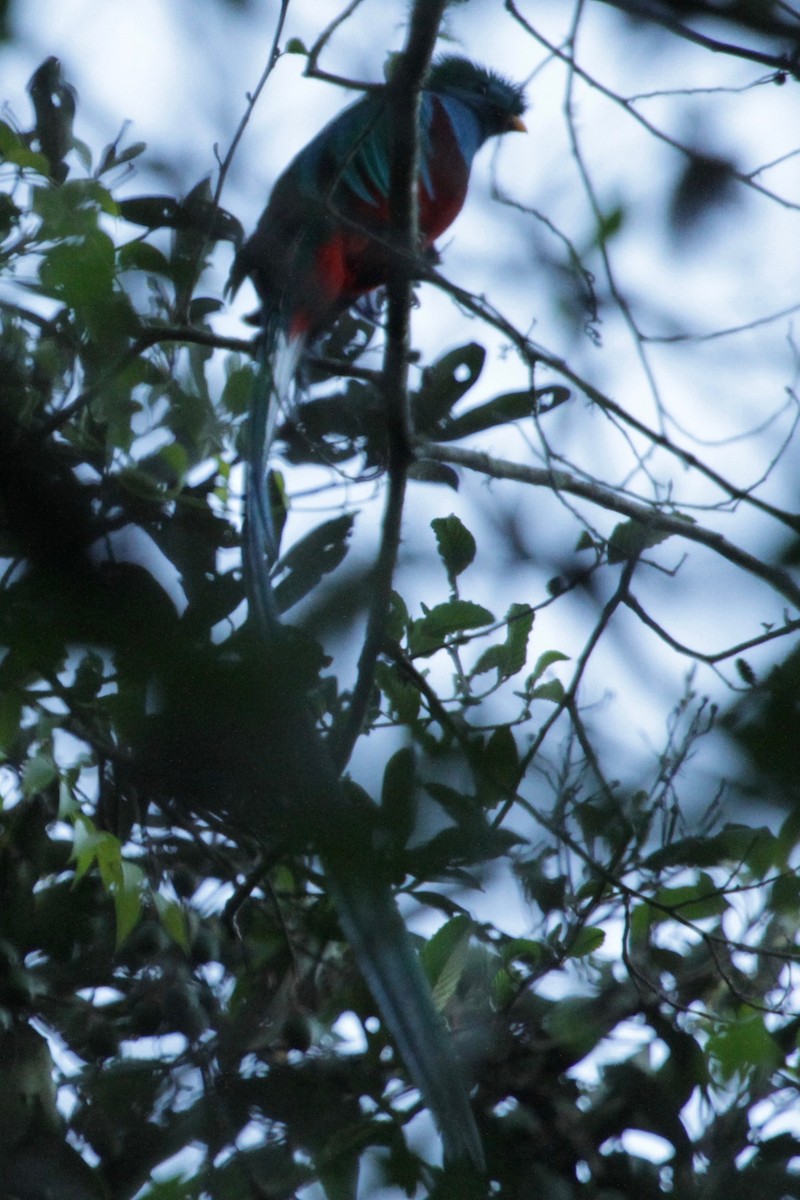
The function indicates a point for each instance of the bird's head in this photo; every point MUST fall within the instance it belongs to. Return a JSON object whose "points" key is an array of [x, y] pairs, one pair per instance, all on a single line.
{"points": [[497, 102]]}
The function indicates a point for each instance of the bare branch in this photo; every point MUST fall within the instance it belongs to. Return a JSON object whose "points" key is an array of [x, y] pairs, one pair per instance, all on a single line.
{"points": [[650, 517], [252, 100], [404, 98], [780, 62]]}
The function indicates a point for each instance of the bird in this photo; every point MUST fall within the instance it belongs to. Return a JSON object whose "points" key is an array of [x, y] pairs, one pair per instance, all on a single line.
{"points": [[321, 244]]}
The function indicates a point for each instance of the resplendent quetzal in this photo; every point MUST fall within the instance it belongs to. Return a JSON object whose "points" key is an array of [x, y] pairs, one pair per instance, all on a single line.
{"points": [[316, 250], [318, 245]]}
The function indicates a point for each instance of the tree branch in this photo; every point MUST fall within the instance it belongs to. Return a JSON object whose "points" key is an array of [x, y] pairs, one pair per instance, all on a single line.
{"points": [[790, 63], [630, 107], [649, 517], [252, 100], [532, 353], [404, 100]]}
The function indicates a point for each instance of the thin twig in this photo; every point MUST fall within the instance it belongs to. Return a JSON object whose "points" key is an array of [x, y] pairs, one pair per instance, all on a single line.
{"points": [[650, 517], [532, 353], [313, 71], [687, 151], [720, 655], [252, 100], [780, 62]]}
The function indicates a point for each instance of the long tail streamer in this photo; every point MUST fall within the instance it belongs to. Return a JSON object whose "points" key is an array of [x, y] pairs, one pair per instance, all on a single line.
{"points": [[277, 362], [367, 909]]}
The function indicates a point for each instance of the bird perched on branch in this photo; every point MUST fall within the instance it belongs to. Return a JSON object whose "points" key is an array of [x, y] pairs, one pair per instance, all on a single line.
{"points": [[325, 240], [321, 241]]}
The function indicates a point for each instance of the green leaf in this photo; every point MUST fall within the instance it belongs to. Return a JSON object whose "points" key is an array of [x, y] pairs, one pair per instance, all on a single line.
{"points": [[111, 156], [401, 692], [785, 894], [509, 657], [173, 918], [429, 632], [500, 762], [442, 903], [519, 619], [127, 893], [789, 834], [552, 690], [542, 663], [585, 541], [629, 539], [399, 796], [523, 950], [588, 939], [90, 846], [237, 394], [455, 543], [73, 209], [83, 152], [142, 256], [124, 881], [38, 773], [609, 224], [743, 1045], [692, 901], [444, 958], [14, 150], [200, 308], [505, 989], [577, 1024], [492, 658], [68, 807], [397, 621], [461, 806], [80, 273]]}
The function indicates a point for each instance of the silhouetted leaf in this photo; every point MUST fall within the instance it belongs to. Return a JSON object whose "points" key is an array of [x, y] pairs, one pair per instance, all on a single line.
{"points": [[455, 543], [399, 796], [511, 655], [513, 406], [707, 181], [630, 539], [428, 633], [443, 384], [426, 470], [315, 555]]}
